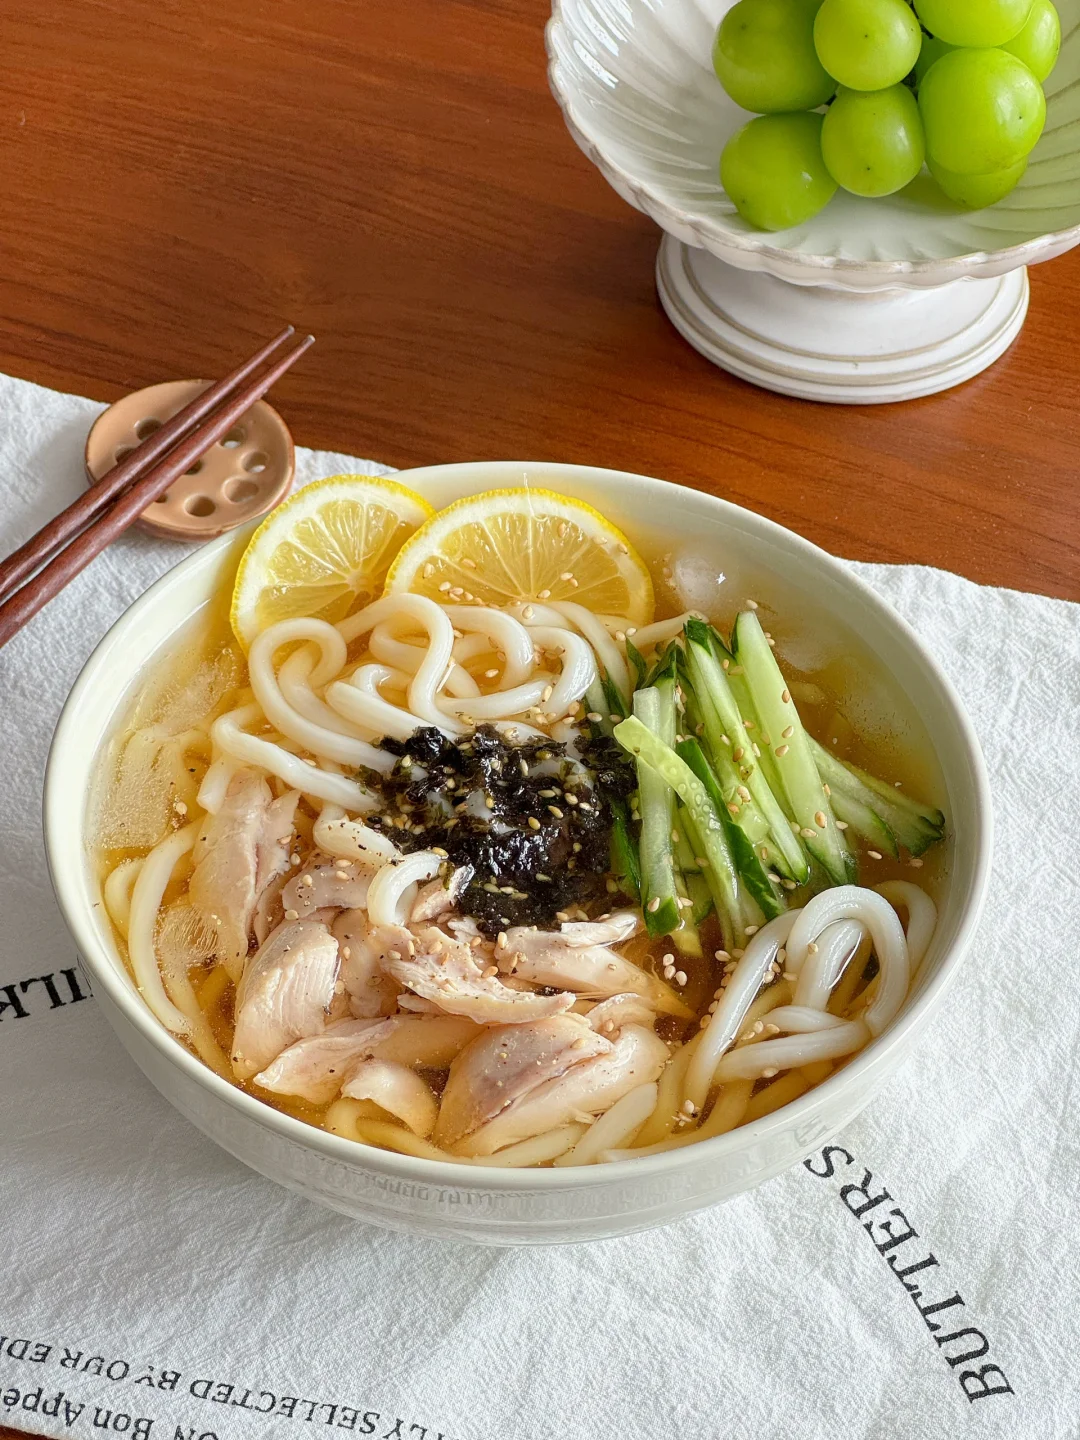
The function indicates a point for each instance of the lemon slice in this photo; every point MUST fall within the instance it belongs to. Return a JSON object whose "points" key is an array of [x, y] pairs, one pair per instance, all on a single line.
{"points": [[509, 546], [323, 552]]}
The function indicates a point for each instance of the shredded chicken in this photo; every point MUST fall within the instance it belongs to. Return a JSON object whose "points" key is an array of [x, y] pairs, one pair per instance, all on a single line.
{"points": [[323, 882], [636, 1057], [238, 855], [576, 957], [441, 968], [370, 990], [398, 1090], [315, 1069], [285, 994], [438, 897], [502, 1065], [610, 1015]]}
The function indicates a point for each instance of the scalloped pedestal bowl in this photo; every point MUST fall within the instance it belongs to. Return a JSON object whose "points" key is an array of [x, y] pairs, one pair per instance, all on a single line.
{"points": [[872, 300]]}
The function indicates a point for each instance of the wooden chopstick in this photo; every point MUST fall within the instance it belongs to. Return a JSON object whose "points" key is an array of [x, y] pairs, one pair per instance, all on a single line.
{"points": [[53, 536], [49, 581]]}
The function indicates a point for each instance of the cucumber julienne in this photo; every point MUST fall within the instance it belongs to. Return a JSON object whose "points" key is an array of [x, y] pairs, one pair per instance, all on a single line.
{"points": [[782, 731]]}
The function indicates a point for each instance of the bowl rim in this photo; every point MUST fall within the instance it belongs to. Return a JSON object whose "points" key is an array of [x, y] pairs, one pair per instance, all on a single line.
{"points": [[753, 252], [121, 993]]}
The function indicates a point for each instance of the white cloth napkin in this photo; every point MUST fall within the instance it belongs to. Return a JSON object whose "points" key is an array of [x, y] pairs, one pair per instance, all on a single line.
{"points": [[150, 1285]]}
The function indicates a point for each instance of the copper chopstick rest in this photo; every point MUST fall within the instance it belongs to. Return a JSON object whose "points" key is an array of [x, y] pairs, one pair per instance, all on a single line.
{"points": [[63, 527], [145, 487], [239, 479]]}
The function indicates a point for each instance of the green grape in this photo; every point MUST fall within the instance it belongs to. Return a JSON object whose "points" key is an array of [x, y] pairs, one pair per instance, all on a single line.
{"points": [[974, 22], [932, 51], [872, 141], [765, 59], [773, 171], [1039, 42], [867, 44], [982, 110], [978, 191]]}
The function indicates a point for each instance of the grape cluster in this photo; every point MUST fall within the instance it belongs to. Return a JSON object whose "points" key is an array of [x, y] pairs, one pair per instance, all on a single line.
{"points": [[862, 93]]}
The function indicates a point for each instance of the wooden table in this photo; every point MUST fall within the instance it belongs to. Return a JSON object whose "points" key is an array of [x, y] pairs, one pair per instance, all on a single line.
{"points": [[179, 175]]}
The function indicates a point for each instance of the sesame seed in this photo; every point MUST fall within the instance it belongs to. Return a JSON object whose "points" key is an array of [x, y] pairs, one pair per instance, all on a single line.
{"points": [[669, 972], [733, 807], [786, 697], [751, 604], [874, 854], [543, 594], [915, 864], [721, 955], [700, 861], [738, 752], [534, 823], [688, 1107], [546, 693], [468, 562], [811, 949], [594, 717], [292, 914], [394, 954], [567, 575], [620, 635], [807, 833], [841, 824], [819, 820], [654, 903], [782, 750], [768, 1074], [306, 880], [675, 837], [790, 975], [757, 752], [680, 977], [752, 929], [744, 793], [789, 884], [444, 587], [491, 675], [528, 613], [787, 734]]}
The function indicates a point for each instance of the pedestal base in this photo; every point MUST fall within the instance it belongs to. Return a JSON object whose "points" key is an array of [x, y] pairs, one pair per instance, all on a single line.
{"points": [[842, 346]]}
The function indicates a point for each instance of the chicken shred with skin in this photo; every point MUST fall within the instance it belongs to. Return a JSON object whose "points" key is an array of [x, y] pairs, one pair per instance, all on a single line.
{"points": [[285, 993], [439, 967], [239, 854]]}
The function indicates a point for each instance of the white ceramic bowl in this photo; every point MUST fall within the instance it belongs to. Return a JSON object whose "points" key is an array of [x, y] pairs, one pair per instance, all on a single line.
{"points": [[527, 1206], [635, 82]]}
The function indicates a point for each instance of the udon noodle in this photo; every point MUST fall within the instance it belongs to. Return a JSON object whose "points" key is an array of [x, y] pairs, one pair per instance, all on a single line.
{"points": [[398, 876]]}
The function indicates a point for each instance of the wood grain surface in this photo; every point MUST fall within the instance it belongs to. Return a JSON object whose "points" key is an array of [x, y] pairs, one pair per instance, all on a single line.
{"points": [[181, 176]]}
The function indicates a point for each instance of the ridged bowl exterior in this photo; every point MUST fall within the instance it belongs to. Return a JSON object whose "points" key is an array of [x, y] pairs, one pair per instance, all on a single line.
{"points": [[635, 82]]}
